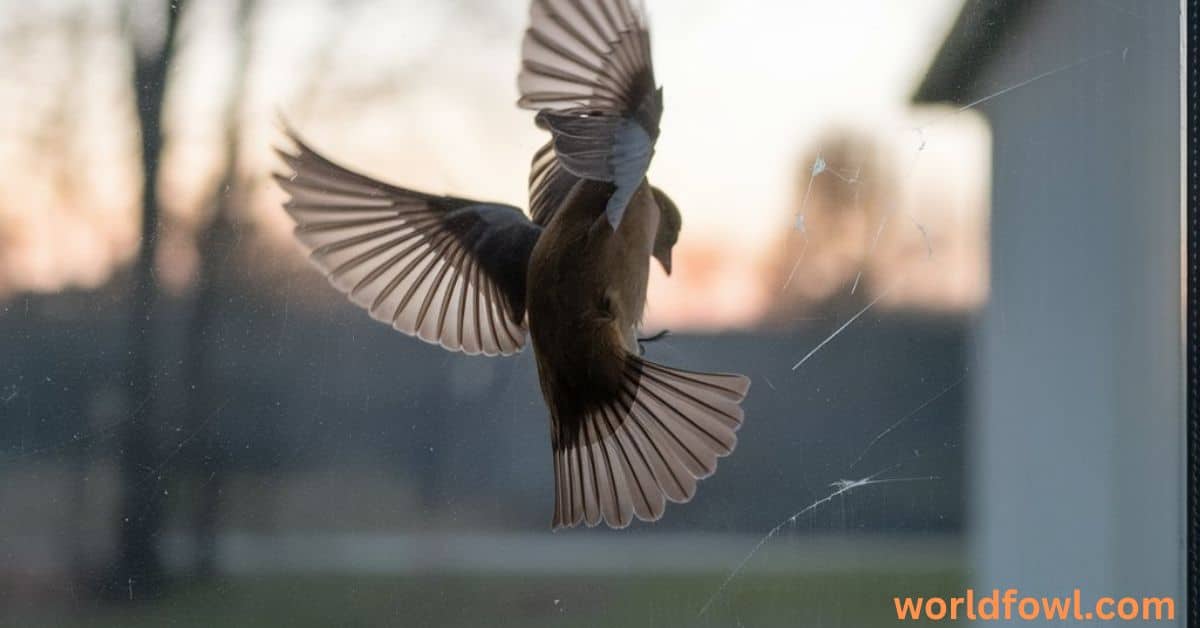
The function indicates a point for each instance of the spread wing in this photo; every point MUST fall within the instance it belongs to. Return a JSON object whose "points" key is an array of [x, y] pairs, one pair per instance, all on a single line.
{"points": [[587, 69], [450, 271]]}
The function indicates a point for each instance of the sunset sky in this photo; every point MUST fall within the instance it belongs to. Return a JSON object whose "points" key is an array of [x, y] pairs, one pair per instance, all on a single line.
{"points": [[422, 94]]}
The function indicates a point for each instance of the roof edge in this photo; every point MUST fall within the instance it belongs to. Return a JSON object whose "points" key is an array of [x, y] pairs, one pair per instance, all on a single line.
{"points": [[972, 43]]}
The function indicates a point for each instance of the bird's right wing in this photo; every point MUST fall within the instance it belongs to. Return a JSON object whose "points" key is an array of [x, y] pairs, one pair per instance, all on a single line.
{"points": [[450, 271], [588, 57], [587, 69]]}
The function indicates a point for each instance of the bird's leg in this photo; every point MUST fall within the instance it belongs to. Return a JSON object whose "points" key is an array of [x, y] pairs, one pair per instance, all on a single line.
{"points": [[659, 336]]}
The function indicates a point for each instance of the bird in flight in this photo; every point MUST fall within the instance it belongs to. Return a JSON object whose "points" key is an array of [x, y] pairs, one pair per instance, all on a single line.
{"points": [[627, 434]]}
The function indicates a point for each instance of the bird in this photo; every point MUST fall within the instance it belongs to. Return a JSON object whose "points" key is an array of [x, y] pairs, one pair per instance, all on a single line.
{"points": [[627, 434]]}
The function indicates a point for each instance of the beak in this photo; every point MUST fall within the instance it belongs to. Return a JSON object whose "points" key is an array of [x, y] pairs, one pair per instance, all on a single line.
{"points": [[664, 258]]}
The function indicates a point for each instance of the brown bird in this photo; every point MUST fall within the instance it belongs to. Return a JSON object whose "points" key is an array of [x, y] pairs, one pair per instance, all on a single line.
{"points": [[627, 434]]}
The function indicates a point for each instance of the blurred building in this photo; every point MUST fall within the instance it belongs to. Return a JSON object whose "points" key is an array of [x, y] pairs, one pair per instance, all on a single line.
{"points": [[1077, 447]]}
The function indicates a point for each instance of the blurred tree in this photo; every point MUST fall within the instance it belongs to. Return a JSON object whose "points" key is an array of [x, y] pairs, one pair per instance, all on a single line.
{"points": [[842, 190], [326, 96], [138, 569], [215, 244], [219, 236]]}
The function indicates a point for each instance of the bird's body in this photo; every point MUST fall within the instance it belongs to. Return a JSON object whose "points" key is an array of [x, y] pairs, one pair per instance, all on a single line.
{"points": [[627, 434], [584, 329], [605, 305]]}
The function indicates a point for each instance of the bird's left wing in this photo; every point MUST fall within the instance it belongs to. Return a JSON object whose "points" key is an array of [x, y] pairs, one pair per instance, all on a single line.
{"points": [[448, 270]]}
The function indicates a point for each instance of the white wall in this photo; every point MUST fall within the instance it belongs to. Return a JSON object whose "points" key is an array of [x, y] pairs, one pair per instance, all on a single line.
{"points": [[1078, 447]]}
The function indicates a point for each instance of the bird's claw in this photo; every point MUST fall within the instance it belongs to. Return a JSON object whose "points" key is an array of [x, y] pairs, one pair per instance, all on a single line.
{"points": [[652, 338]]}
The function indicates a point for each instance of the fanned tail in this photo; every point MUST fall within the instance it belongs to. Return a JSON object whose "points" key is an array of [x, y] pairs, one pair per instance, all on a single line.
{"points": [[662, 433]]}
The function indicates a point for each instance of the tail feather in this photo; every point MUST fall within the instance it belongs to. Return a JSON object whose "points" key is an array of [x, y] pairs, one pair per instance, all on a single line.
{"points": [[663, 431]]}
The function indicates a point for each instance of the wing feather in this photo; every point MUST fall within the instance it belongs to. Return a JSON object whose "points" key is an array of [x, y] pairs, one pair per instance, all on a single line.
{"points": [[447, 270], [587, 69]]}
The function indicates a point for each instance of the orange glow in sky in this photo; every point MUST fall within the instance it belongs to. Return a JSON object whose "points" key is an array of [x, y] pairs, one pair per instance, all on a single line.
{"points": [[422, 94]]}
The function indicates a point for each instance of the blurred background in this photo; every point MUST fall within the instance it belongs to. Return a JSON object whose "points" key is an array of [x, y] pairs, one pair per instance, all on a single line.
{"points": [[941, 237]]}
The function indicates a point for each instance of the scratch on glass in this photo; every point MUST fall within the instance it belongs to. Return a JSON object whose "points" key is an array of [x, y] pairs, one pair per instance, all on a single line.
{"points": [[841, 487], [849, 322], [914, 412]]}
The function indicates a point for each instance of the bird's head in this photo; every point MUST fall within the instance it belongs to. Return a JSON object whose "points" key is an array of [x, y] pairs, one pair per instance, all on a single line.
{"points": [[669, 223]]}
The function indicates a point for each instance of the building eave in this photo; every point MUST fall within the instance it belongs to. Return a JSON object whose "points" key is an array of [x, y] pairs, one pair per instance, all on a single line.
{"points": [[978, 34]]}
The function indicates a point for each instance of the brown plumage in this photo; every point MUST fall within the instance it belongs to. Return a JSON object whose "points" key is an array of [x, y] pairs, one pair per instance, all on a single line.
{"points": [[627, 434]]}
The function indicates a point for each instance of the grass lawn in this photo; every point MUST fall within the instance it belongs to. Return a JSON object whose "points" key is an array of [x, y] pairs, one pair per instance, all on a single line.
{"points": [[858, 600]]}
